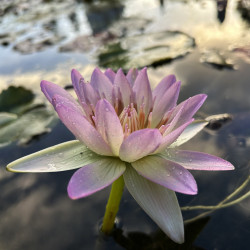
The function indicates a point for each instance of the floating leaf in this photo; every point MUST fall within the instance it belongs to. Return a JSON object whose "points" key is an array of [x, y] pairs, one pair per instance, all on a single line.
{"points": [[146, 49], [27, 126], [6, 118], [215, 122], [13, 98], [216, 59]]}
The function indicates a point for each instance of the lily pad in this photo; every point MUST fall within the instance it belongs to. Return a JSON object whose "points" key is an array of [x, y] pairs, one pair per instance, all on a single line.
{"points": [[215, 122], [151, 49], [21, 117], [27, 126], [6, 118], [217, 60], [13, 98]]}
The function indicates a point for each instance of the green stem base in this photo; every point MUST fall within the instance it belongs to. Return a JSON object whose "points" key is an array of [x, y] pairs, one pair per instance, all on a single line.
{"points": [[112, 206]]}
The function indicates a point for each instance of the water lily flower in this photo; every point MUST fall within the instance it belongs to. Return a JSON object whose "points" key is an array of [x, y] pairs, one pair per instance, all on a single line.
{"points": [[127, 133]]}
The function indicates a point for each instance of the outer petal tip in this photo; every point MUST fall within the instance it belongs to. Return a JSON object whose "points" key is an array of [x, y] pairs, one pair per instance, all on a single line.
{"points": [[230, 166], [94, 177], [202, 97], [47, 89]]}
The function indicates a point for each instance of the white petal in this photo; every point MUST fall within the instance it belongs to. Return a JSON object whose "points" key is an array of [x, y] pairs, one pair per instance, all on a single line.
{"points": [[189, 132], [64, 156], [158, 202]]}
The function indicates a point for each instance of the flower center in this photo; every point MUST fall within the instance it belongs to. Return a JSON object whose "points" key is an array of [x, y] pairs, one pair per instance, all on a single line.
{"points": [[131, 120]]}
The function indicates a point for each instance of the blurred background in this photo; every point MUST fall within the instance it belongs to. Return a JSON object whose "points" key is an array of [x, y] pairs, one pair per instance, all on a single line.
{"points": [[205, 43]]}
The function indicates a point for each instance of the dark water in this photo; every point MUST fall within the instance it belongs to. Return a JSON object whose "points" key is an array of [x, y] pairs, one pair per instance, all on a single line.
{"points": [[206, 44]]}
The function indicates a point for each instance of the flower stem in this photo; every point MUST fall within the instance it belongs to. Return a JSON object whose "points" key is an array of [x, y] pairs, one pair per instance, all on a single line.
{"points": [[112, 206]]}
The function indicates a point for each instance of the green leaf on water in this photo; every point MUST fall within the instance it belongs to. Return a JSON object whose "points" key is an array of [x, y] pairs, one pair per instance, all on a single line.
{"points": [[27, 126], [13, 98]]}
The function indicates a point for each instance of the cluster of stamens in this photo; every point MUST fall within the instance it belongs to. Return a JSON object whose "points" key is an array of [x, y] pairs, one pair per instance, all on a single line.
{"points": [[131, 120]]}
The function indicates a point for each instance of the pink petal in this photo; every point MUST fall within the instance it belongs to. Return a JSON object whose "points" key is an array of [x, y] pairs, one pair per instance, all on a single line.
{"points": [[163, 87], [194, 103], [77, 80], [131, 76], [198, 161], [122, 83], [142, 91], [177, 117], [94, 177], [166, 173], [85, 92], [158, 202], [50, 89], [77, 123], [110, 74], [108, 125], [90, 95], [171, 137], [139, 144], [102, 84], [167, 102]]}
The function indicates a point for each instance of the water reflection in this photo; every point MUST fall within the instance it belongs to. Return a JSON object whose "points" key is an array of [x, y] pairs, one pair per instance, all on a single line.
{"points": [[157, 239], [38, 205], [244, 8], [101, 16], [221, 10]]}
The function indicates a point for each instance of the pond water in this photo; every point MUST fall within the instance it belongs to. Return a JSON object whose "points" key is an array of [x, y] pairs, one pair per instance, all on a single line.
{"points": [[206, 44]]}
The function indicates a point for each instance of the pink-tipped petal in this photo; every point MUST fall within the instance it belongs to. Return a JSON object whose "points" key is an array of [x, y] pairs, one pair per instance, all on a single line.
{"points": [[171, 137], [166, 173], [158, 202], [90, 94], [94, 177], [123, 85], [139, 144], [167, 102], [102, 84], [77, 81], [77, 123], [85, 92], [163, 87], [142, 91], [197, 160], [109, 126], [110, 74], [194, 103], [50, 89], [173, 123], [131, 76]]}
